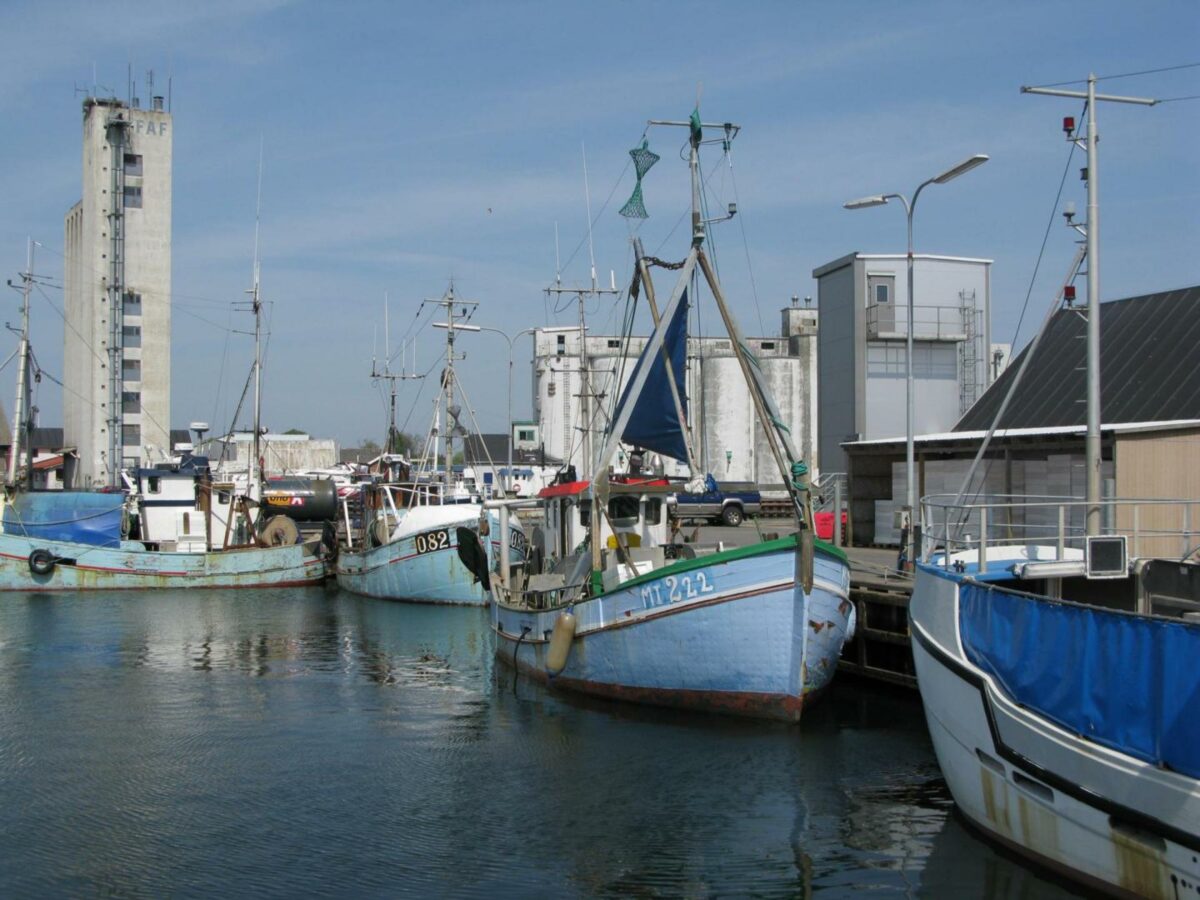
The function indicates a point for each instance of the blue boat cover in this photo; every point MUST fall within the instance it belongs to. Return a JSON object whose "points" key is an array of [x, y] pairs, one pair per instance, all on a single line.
{"points": [[1127, 682], [654, 423], [84, 517]]}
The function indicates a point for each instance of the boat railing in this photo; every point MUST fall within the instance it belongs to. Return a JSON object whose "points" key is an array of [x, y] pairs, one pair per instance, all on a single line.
{"points": [[1167, 528]]}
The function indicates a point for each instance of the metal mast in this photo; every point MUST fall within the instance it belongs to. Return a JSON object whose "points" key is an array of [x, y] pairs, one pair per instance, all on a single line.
{"points": [[386, 375], [1093, 445], [586, 392], [254, 487], [21, 408], [452, 411]]}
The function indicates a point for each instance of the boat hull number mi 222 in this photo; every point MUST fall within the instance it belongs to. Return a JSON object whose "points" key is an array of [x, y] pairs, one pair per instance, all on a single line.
{"points": [[675, 588]]}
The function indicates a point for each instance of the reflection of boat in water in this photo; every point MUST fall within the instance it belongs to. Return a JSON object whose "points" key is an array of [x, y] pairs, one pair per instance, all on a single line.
{"points": [[611, 607], [964, 866], [404, 544]]}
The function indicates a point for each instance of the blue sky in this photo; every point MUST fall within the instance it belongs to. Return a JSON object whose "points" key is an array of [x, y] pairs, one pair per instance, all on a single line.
{"points": [[406, 144]]}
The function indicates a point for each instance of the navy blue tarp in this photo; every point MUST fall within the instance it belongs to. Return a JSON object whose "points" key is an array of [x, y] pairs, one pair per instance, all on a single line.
{"points": [[84, 517], [1128, 682], [654, 423]]}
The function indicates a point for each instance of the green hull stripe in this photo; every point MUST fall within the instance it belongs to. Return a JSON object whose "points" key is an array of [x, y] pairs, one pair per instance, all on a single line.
{"points": [[766, 547]]}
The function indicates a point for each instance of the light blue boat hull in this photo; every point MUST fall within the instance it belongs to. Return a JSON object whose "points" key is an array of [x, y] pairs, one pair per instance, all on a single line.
{"points": [[396, 571], [735, 636], [131, 567]]}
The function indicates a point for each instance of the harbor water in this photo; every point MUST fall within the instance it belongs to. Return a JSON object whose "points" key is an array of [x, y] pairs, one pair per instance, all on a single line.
{"points": [[313, 743]]}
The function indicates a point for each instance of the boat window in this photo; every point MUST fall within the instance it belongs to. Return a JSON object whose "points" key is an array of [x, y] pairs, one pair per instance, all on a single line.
{"points": [[623, 507], [154, 484], [654, 511], [585, 514]]}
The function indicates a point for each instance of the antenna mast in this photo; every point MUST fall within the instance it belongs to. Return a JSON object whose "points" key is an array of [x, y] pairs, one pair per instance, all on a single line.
{"points": [[386, 375], [449, 302], [256, 473], [586, 391], [1093, 445], [21, 408]]}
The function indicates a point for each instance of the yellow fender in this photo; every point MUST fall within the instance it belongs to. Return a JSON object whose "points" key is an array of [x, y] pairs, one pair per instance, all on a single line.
{"points": [[560, 642]]}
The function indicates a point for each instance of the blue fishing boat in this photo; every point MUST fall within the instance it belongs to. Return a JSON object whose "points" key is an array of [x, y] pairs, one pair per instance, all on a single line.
{"points": [[406, 545], [171, 526], [402, 534], [610, 604]]}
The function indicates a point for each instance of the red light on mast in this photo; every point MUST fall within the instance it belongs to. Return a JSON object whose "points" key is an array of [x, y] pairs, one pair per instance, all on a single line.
{"points": [[1069, 124], [1069, 293]]}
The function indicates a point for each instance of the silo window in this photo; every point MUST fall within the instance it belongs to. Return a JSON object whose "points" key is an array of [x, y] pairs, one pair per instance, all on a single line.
{"points": [[133, 164], [133, 197]]}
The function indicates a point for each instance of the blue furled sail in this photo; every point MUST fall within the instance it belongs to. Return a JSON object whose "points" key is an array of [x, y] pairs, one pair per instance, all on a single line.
{"points": [[654, 423]]}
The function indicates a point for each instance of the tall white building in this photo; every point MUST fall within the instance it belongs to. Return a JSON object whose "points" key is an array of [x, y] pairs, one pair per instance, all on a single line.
{"points": [[118, 291], [727, 438]]}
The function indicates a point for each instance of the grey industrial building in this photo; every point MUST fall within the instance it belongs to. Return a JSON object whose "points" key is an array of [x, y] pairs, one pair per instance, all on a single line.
{"points": [[863, 299], [118, 291]]}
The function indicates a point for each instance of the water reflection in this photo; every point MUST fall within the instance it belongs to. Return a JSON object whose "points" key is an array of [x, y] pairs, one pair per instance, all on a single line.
{"points": [[308, 742]]}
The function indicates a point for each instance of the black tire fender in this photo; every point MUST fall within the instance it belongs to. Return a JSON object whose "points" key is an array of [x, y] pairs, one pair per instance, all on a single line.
{"points": [[42, 562]]}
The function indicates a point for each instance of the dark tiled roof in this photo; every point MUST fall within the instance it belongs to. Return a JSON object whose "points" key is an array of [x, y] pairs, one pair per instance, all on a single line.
{"points": [[1149, 367], [47, 438], [497, 447]]}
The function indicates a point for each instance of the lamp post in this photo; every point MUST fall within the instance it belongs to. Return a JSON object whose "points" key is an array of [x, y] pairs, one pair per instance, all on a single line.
{"points": [[909, 456], [508, 476]]}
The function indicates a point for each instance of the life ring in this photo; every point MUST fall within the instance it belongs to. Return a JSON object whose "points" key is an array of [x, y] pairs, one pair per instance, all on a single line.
{"points": [[41, 562]]}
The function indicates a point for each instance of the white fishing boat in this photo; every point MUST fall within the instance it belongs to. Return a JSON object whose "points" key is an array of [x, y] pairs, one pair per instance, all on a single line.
{"points": [[1057, 670], [1055, 643], [610, 605], [402, 534]]}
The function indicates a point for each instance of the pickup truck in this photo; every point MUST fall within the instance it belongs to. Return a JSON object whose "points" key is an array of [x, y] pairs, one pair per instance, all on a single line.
{"points": [[718, 505]]}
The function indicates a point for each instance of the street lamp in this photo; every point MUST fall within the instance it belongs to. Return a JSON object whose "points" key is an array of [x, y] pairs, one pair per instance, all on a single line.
{"points": [[879, 200], [508, 476]]}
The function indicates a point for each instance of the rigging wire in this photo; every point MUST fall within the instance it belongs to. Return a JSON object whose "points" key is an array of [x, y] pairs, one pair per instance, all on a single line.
{"points": [[1046, 234], [1124, 75], [745, 243], [988, 462]]}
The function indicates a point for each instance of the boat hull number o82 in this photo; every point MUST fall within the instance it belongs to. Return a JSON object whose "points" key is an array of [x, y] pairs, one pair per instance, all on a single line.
{"points": [[432, 541]]}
